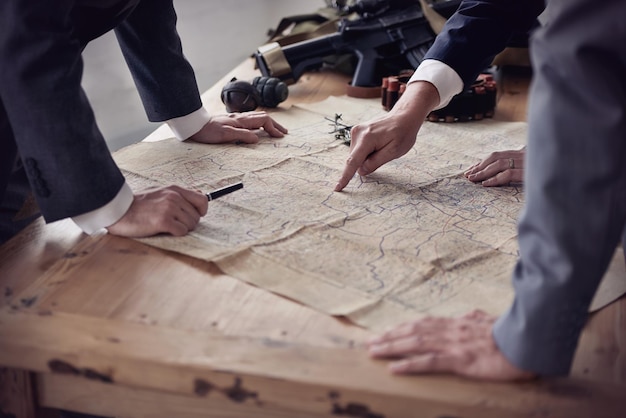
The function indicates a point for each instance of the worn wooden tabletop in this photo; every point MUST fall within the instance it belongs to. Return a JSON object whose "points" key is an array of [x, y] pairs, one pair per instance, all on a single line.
{"points": [[110, 326]]}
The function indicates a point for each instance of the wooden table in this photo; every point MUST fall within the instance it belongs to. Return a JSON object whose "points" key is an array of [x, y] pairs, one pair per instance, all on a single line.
{"points": [[110, 326]]}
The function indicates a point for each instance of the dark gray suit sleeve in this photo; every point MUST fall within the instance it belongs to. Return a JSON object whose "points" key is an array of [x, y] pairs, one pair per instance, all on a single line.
{"points": [[153, 52], [68, 164], [575, 182]]}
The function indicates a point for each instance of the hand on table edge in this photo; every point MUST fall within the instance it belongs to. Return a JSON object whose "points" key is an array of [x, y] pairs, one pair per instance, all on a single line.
{"points": [[463, 346]]}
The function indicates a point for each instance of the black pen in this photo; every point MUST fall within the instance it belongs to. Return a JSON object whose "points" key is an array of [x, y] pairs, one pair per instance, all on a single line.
{"points": [[224, 191]]}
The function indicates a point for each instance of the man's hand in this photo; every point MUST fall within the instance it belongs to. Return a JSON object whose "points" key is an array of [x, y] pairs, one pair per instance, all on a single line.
{"points": [[377, 142], [498, 169], [463, 346], [238, 127], [171, 210]]}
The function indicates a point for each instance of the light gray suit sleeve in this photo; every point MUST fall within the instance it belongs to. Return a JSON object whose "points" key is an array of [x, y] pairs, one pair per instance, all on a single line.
{"points": [[575, 181]]}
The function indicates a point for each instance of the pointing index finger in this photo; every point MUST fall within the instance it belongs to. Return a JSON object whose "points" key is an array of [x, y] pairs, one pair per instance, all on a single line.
{"points": [[355, 160], [348, 172]]}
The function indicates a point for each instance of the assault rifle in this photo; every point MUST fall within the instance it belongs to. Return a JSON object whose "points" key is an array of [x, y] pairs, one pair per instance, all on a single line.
{"points": [[386, 36]]}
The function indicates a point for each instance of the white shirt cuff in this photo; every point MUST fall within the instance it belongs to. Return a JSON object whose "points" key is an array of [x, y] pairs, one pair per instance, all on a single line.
{"points": [[96, 220], [447, 82], [185, 126]]}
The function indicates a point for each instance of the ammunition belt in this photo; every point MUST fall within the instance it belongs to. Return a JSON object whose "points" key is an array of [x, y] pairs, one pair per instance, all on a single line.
{"points": [[475, 103]]}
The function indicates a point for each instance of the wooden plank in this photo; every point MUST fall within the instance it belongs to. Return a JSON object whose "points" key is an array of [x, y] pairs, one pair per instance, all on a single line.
{"points": [[281, 374], [17, 398], [107, 309], [30, 254], [604, 340], [125, 280], [72, 393]]}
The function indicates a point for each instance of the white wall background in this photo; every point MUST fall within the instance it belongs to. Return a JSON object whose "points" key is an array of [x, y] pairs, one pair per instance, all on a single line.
{"points": [[216, 36]]}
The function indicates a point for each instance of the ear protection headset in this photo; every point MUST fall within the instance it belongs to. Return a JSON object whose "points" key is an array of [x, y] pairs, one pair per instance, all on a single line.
{"points": [[242, 96]]}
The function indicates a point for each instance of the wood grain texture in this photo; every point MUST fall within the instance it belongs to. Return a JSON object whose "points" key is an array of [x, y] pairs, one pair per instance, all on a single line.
{"points": [[601, 353], [27, 256], [115, 327], [269, 375], [17, 398]]}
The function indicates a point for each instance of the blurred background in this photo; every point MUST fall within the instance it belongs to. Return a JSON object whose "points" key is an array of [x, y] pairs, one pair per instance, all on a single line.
{"points": [[216, 37]]}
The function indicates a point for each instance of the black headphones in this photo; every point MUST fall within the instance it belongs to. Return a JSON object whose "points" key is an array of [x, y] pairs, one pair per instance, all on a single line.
{"points": [[242, 96]]}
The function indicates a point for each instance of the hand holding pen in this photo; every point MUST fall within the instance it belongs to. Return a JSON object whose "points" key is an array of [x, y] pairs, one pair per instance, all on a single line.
{"points": [[172, 210]]}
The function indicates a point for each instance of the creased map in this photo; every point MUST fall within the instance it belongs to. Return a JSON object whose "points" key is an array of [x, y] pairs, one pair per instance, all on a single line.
{"points": [[412, 239]]}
